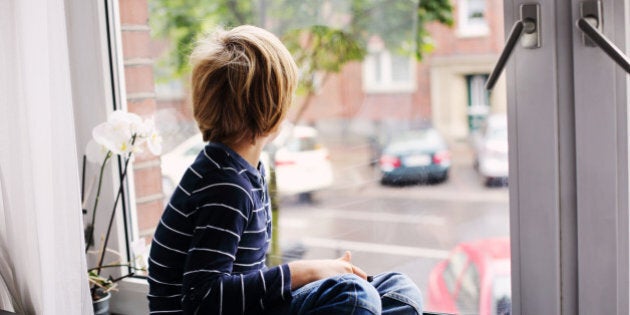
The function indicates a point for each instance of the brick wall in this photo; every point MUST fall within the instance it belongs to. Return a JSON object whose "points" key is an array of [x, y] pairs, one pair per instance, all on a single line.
{"points": [[343, 96], [139, 84]]}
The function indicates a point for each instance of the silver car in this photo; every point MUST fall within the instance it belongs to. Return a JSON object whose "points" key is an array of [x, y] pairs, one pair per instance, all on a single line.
{"points": [[491, 150]]}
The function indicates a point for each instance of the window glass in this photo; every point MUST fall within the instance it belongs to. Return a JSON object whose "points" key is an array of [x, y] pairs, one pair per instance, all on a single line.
{"points": [[476, 11], [385, 71], [473, 18], [401, 70], [349, 177]]}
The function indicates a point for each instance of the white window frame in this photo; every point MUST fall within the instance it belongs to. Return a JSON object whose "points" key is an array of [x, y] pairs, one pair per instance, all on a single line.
{"points": [[601, 123], [382, 58], [560, 209], [98, 83], [468, 28], [568, 208]]}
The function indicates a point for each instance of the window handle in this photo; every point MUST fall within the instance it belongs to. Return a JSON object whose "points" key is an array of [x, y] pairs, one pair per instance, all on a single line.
{"points": [[529, 27], [588, 25]]}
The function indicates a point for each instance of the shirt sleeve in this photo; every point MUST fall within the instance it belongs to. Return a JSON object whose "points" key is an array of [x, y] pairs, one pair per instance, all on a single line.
{"points": [[209, 285]]}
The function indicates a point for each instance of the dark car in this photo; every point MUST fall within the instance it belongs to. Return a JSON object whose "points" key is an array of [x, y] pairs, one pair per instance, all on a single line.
{"points": [[415, 156]]}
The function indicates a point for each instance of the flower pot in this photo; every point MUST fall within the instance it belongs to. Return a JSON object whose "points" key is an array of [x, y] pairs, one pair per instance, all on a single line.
{"points": [[101, 306]]}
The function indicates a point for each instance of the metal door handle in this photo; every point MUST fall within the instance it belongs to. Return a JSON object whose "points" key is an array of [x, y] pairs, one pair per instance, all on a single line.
{"points": [[529, 24], [586, 25]]}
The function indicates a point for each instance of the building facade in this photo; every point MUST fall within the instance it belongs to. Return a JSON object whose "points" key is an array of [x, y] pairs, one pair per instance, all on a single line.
{"points": [[445, 89]]}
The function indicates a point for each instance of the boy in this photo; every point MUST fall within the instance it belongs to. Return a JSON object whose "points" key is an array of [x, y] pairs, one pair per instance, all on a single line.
{"points": [[208, 251]]}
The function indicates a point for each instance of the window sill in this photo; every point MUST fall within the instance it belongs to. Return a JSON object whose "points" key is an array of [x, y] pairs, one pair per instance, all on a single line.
{"points": [[384, 89], [131, 297]]}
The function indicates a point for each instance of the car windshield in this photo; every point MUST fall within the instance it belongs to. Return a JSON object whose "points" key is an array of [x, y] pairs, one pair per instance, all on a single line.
{"points": [[417, 140]]}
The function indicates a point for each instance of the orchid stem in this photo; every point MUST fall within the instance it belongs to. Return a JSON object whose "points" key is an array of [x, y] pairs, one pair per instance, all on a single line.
{"points": [[111, 218], [98, 195], [117, 265]]}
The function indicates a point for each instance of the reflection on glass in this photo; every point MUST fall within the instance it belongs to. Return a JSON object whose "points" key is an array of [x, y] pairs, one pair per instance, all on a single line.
{"points": [[345, 179]]}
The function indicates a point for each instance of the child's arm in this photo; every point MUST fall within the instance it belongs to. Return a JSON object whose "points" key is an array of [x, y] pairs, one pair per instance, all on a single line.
{"points": [[209, 284], [307, 271]]}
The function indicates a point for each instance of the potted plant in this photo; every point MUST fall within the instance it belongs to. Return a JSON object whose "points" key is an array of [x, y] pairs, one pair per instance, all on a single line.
{"points": [[123, 134]]}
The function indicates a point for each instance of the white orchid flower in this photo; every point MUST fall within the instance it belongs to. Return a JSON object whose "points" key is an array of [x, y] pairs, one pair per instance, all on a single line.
{"points": [[126, 120], [125, 132], [113, 137], [117, 133]]}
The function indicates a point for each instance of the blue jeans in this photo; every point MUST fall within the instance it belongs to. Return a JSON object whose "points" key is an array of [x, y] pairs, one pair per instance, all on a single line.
{"points": [[388, 293]]}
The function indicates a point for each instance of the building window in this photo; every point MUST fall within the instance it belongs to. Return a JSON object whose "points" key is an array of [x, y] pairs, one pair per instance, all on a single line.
{"points": [[472, 18], [385, 72], [478, 100]]}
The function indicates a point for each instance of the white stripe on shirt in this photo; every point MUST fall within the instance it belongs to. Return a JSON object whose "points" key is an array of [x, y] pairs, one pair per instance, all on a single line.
{"points": [[243, 293], [157, 263], [173, 284], [177, 210], [202, 270], [249, 265], [225, 206], [193, 170], [248, 248], [172, 249], [226, 184], [164, 296], [184, 190], [211, 250], [263, 280], [282, 283], [221, 298], [174, 230], [162, 312], [254, 232], [218, 229], [211, 160]]}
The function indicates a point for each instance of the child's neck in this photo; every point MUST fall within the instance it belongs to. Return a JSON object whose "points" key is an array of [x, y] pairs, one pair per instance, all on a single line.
{"points": [[249, 151]]}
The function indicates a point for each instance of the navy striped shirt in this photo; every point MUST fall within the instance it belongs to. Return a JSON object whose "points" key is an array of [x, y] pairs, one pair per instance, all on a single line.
{"points": [[208, 251]]}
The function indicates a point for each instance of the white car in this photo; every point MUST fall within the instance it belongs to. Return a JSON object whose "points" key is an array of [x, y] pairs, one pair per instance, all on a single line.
{"points": [[302, 164], [491, 150]]}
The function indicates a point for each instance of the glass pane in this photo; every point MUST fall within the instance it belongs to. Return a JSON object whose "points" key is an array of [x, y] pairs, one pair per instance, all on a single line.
{"points": [[401, 160]]}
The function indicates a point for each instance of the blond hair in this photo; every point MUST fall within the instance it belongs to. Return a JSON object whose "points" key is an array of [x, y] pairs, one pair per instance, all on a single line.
{"points": [[243, 81]]}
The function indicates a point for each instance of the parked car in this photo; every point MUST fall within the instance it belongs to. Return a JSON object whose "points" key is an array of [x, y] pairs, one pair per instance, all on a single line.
{"points": [[475, 279], [415, 156], [175, 162], [302, 164], [491, 150]]}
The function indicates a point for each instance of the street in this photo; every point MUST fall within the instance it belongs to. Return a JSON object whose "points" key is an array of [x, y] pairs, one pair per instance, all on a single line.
{"points": [[401, 228]]}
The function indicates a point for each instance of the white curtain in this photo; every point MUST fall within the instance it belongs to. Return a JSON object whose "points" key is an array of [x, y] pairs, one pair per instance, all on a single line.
{"points": [[41, 240]]}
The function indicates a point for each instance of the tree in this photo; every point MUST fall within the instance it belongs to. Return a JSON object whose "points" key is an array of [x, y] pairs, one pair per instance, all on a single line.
{"points": [[322, 35]]}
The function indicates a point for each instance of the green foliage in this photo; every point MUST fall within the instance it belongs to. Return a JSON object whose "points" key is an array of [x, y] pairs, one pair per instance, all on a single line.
{"points": [[323, 35], [320, 48]]}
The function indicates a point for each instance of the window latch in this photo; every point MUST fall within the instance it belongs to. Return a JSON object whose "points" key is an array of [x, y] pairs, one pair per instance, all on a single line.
{"points": [[528, 29], [591, 24]]}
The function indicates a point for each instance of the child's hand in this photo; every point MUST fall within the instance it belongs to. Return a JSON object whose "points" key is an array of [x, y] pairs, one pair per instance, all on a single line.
{"points": [[347, 256], [306, 271]]}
